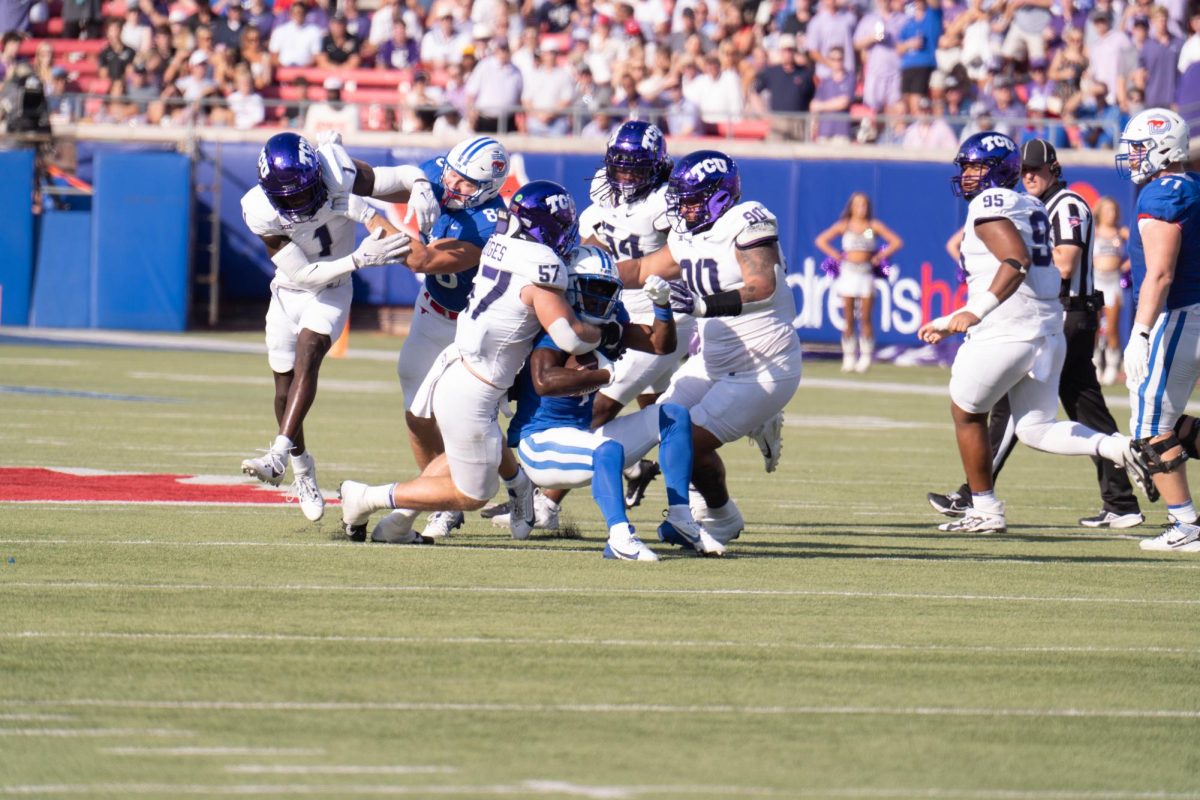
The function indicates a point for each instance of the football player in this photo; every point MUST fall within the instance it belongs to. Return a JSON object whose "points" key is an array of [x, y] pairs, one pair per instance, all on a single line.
{"points": [[466, 183], [518, 292], [1162, 359], [305, 208], [725, 254], [551, 427], [1014, 327]]}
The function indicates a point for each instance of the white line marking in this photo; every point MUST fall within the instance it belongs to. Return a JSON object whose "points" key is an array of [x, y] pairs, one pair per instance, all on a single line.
{"points": [[38, 362], [331, 384], [581, 642], [609, 708], [213, 751], [36, 717], [596, 590], [70, 733], [335, 769]]}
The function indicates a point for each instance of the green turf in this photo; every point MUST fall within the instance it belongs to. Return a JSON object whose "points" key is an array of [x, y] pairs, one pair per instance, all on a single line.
{"points": [[845, 649]]}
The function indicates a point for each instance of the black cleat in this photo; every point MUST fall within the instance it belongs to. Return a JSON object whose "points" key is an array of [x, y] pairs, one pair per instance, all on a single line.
{"points": [[356, 533], [952, 504], [636, 488]]}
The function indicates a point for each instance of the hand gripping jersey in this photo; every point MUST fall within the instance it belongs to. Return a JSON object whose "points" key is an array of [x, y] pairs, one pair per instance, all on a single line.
{"points": [[495, 335], [737, 348], [1034, 310], [628, 230], [474, 225], [1171, 198], [325, 237], [536, 413]]}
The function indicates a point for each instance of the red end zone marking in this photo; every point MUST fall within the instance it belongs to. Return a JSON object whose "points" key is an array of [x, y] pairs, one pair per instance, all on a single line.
{"points": [[36, 484]]}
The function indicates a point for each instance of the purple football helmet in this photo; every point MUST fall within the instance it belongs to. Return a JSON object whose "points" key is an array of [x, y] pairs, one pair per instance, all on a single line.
{"points": [[636, 161], [289, 173], [999, 157], [703, 186], [544, 212]]}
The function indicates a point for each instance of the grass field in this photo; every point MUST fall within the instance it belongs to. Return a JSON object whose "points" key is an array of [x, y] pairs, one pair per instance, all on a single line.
{"points": [[845, 649]]}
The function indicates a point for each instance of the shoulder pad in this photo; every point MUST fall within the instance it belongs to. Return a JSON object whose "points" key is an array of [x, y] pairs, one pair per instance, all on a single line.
{"points": [[749, 223], [433, 169], [1166, 198], [337, 168], [994, 202], [531, 261], [261, 217], [598, 190], [588, 219]]}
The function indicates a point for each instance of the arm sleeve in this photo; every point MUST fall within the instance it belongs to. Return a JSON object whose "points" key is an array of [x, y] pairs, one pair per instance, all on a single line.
{"points": [[295, 266], [389, 180]]}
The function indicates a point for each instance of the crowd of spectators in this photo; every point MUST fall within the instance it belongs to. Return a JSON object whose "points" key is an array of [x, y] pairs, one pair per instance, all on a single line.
{"points": [[921, 73]]}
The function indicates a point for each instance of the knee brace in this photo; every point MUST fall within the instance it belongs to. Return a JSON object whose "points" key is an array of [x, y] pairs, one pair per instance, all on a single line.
{"points": [[1152, 453], [1188, 431]]}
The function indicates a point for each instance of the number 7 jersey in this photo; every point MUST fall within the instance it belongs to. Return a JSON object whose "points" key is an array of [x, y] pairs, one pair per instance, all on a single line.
{"points": [[754, 342], [1034, 310]]}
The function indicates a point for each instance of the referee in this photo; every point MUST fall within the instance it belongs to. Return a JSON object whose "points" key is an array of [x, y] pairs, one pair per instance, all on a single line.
{"points": [[1071, 234]]}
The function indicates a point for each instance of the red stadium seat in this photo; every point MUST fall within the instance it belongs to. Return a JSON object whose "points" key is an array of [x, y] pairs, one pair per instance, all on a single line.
{"points": [[744, 129], [361, 78], [62, 47]]}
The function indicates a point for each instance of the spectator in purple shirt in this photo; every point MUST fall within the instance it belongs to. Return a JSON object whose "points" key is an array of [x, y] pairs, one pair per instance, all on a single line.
{"points": [[1006, 109], [876, 37], [1158, 55], [830, 28], [400, 51], [834, 95]]}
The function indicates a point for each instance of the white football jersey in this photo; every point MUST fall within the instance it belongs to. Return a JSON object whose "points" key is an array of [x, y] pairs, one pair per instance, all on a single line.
{"points": [[496, 331], [754, 341], [628, 230], [1034, 309], [325, 237]]}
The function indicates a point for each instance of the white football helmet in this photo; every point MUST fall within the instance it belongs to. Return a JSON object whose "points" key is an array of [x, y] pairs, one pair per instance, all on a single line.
{"points": [[593, 284], [481, 160], [1152, 140]]}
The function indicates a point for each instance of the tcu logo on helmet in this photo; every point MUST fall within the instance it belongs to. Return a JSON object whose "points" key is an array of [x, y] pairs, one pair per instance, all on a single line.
{"points": [[650, 138], [264, 167], [998, 141], [708, 166], [558, 201]]}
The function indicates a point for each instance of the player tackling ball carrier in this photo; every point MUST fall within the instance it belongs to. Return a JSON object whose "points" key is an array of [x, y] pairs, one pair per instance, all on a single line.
{"points": [[1013, 322]]}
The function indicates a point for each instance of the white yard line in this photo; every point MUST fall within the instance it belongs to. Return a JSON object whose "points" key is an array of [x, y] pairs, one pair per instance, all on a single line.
{"points": [[72, 733], [572, 642], [336, 769], [36, 717], [588, 590], [240, 706], [213, 751]]}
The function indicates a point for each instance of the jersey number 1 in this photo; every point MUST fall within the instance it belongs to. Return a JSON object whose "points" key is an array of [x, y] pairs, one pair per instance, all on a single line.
{"points": [[322, 235]]}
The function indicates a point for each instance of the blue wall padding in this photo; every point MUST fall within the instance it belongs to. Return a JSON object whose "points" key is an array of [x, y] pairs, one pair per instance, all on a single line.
{"points": [[16, 235], [62, 287], [142, 208]]}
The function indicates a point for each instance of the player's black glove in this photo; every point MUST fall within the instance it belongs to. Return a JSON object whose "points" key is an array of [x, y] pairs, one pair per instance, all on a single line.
{"points": [[612, 335]]}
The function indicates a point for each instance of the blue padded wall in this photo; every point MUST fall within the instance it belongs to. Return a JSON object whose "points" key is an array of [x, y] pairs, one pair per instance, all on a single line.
{"points": [[16, 235], [142, 212], [62, 287]]}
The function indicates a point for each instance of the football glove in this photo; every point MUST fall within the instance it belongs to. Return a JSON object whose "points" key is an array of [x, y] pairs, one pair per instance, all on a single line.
{"points": [[378, 249], [1137, 356], [658, 290], [611, 344], [683, 300], [422, 205]]}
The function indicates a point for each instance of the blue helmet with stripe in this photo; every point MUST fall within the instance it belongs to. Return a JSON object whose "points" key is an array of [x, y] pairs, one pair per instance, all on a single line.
{"points": [[593, 285], [483, 162]]}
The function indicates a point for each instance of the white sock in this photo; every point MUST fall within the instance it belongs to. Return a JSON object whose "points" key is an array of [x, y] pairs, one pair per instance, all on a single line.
{"points": [[621, 532], [1185, 513], [303, 463], [518, 481], [987, 502], [380, 496], [282, 444], [1114, 448]]}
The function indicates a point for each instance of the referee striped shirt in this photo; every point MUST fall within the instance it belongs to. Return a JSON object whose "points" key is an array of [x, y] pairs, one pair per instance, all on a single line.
{"points": [[1071, 223]]}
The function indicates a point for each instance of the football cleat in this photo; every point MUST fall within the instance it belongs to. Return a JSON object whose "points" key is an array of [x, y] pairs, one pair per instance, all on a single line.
{"points": [[545, 513], [951, 504], [270, 467], [635, 489], [312, 502], [690, 534], [410, 537], [1111, 519], [769, 438], [1138, 470], [1179, 537], [975, 521], [440, 523], [355, 513], [628, 548], [521, 514], [394, 528]]}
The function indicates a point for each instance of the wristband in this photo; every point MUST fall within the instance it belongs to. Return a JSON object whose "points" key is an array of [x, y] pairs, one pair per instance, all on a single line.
{"points": [[1141, 330], [1017, 265], [723, 304], [663, 313], [982, 305]]}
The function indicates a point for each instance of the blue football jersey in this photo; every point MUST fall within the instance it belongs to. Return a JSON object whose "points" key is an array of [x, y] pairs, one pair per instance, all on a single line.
{"points": [[536, 413], [1171, 198], [474, 225]]}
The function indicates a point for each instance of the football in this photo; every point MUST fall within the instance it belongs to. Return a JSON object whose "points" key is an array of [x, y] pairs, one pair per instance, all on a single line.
{"points": [[585, 361]]}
